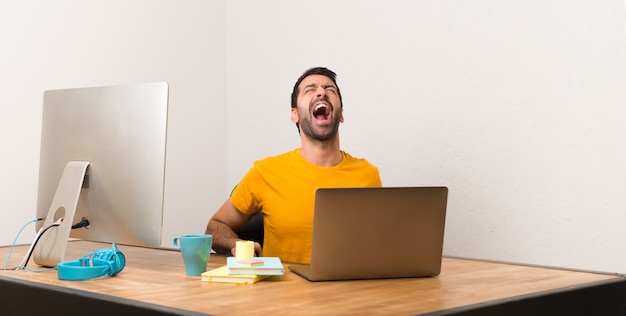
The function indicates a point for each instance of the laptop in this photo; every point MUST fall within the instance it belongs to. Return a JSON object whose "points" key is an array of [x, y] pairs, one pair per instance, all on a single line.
{"points": [[375, 233]]}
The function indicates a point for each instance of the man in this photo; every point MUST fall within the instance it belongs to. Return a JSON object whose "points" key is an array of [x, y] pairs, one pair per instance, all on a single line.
{"points": [[283, 187]]}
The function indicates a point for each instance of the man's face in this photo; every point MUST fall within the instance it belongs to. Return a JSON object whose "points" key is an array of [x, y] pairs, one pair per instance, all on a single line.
{"points": [[319, 109]]}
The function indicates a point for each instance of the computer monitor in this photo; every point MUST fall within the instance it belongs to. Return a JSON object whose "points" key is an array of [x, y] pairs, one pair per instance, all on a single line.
{"points": [[102, 159]]}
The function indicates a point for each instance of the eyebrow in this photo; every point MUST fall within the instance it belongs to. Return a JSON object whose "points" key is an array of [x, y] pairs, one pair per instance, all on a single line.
{"points": [[315, 85], [310, 85]]}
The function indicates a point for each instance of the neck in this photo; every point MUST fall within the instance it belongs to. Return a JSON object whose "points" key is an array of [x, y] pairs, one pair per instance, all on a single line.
{"points": [[321, 153]]}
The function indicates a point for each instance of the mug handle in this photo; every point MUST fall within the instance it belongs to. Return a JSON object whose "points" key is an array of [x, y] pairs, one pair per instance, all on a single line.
{"points": [[175, 243]]}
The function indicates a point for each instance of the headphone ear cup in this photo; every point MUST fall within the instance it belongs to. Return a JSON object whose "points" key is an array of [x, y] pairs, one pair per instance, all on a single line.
{"points": [[114, 257], [120, 261]]}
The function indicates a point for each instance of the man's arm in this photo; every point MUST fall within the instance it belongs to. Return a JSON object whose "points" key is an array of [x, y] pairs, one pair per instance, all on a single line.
{"points": [[223, 226]]}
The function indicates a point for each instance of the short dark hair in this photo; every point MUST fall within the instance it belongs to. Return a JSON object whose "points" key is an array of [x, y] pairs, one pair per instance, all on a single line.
{"points": [[314, 71]]}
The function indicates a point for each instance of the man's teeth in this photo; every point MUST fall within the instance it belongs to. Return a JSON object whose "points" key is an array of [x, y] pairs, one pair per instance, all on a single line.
{"points": [[319, 106]]}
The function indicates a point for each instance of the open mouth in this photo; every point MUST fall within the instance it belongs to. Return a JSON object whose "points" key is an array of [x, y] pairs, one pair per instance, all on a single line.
{"points": [[321, 111]]}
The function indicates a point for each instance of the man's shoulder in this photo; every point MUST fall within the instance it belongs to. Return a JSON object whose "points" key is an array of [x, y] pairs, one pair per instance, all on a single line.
{"points": [[278, 159], [352, 159]]}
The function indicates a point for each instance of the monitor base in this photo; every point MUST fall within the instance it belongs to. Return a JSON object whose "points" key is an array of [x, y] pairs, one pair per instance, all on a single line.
{"points": [[50, 249]]}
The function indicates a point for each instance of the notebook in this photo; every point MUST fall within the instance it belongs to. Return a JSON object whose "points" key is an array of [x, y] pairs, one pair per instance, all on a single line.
{"points": [[373, 233]]}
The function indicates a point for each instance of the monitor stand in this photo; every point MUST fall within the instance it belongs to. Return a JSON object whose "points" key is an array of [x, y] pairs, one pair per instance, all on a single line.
{"points": [[50, 248]]}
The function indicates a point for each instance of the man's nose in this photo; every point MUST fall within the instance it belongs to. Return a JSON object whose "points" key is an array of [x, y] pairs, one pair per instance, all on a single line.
{"points": [[321, 92]]}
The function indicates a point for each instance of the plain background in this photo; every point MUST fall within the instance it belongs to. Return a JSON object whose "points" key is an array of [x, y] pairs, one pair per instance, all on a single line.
{"points": [[516, 106]]}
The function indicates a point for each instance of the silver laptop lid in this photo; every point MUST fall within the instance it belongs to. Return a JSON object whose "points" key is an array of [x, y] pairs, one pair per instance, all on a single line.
{"points": [[367, 233]]}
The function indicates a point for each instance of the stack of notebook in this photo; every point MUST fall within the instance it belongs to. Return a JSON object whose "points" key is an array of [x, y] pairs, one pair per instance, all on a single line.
{"points": [[245, 271]]}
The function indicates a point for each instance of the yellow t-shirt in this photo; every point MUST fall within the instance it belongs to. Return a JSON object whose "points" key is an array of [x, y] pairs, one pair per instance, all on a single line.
{"points": [[283, 188]]}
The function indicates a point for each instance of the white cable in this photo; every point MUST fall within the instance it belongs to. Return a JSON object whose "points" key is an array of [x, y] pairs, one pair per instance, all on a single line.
{"points": [[32, 245]]}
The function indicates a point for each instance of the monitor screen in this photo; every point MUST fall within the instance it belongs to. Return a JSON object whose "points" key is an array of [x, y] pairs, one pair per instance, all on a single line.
{"points": [[102, 159]]}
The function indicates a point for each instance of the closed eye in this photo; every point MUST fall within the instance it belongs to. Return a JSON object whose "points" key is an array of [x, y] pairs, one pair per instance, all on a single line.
{"points": [[330, 88], [310, 88]]}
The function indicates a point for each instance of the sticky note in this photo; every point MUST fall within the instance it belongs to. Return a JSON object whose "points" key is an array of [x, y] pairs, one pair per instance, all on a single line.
{"points": [[244, 250]]}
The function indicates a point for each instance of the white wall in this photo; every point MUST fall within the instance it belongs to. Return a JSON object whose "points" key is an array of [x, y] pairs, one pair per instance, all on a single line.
{"points": [[517, 107], [66, 44]]}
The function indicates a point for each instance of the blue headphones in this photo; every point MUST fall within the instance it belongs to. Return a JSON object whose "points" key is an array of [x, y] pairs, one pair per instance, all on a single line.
{"points": [[102, 262]]}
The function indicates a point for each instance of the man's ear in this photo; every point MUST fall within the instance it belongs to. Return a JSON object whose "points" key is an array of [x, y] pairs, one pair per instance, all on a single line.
{"points": [[341, 116], [294, 115]]}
